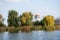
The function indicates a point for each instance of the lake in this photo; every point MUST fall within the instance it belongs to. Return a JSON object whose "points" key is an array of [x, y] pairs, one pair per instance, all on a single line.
{"points": [[34, 35]]}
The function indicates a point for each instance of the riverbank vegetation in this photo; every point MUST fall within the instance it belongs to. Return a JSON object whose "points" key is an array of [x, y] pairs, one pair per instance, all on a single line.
{"points": [[24, 23]]}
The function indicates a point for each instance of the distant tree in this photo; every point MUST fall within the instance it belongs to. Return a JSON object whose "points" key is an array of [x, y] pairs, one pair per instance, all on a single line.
{"points": [[26, 18], [1, 21], [57, 20], [12, 18]]}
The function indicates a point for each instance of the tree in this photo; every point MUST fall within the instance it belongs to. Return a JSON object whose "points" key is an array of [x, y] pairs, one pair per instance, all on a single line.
{"points": [[1, 21], [36, 23], [26, 18], [1, 18], [48, 20], [13, 18], [42, 22]]}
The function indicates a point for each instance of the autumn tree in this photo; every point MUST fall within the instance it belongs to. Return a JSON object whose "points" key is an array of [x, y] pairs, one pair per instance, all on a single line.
{"points": [[48, 20], [26, 18], [12, 18]]}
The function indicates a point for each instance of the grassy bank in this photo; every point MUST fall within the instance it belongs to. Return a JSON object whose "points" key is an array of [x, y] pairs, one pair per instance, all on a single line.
{"points": [[29, 28]]}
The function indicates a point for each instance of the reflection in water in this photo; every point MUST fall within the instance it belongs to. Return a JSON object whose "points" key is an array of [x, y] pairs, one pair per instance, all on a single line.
{"points": [[34, 35]]}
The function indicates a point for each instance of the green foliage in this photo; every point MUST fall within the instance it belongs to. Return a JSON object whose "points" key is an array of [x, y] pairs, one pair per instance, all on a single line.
{"points": [[2, 24], [26, 18], [42, 22], [36, 23], [13, 18]]}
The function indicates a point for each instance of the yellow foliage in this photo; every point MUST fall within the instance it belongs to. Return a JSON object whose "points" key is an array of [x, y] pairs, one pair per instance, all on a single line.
{"points": [[23, 19], [49, 20]]}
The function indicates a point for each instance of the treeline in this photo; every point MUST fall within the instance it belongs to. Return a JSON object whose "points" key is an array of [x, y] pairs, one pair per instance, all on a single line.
{"points": [[26, 20]]}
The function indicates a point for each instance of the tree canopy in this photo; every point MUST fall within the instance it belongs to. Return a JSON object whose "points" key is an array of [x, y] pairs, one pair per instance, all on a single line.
{"points": [[13, 18], [1, 21], [48, 20], [26, 18]]}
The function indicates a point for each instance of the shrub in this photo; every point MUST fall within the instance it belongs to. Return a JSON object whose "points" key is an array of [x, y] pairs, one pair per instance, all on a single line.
{"points": [[32, 28], [2, 29], [26, 29], [57, 27], [13, 29], [38, 28], [49, 28]]}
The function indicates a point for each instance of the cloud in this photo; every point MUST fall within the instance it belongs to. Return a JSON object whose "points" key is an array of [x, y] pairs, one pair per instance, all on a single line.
{"points": [[16, 1]]}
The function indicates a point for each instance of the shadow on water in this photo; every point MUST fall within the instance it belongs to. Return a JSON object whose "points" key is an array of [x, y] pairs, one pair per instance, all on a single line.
{"points": [[34, 35]]}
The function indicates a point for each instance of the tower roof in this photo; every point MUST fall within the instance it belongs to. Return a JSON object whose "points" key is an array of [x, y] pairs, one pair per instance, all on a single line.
{"points": [[37, 14]]}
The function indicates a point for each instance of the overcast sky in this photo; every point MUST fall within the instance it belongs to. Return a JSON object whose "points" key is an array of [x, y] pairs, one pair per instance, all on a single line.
{"points": [[43, 7]]}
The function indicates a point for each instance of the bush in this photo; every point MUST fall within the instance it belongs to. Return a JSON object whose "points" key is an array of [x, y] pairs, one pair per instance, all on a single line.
{"points": [[2, 29], [49, 28], [13, 29], [2, 24], [57, 27], [19, 28], [26, 29], [32, 28], [38, 28]]}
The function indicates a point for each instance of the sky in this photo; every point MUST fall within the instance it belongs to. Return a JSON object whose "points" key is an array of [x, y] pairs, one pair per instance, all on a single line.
{"points": [[42, 7]]}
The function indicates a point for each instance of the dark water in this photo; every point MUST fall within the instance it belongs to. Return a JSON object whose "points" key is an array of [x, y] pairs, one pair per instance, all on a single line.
{"points": [[34, 35]]}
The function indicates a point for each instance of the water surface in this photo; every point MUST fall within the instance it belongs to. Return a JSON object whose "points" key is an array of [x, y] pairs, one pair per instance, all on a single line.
{"points": [[34, 35]]}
